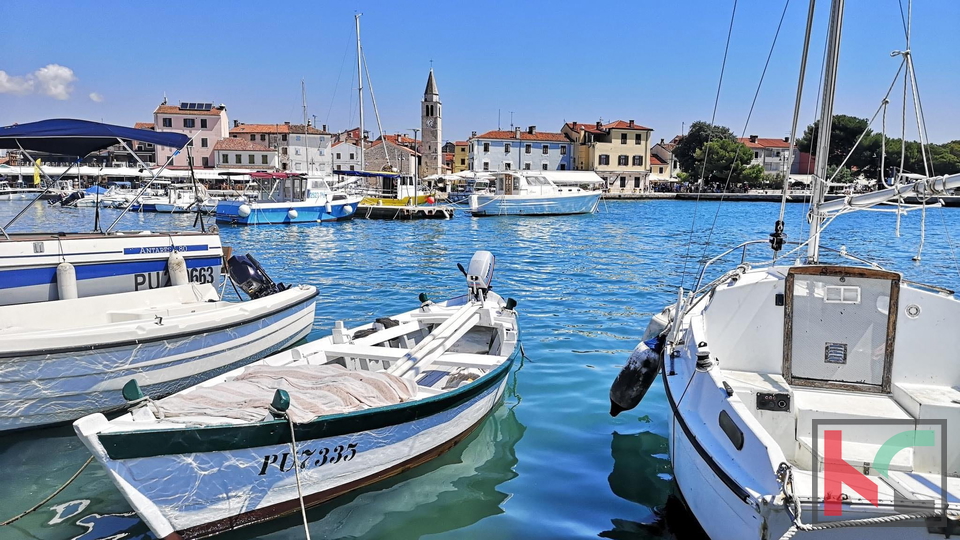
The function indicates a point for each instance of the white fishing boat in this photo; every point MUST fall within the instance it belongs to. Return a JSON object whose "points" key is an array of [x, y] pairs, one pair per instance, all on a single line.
{"points": [[811, 399], [93, 263], [308, 424], [288, 198], [65, 359], [16, 193], [531, 193]]}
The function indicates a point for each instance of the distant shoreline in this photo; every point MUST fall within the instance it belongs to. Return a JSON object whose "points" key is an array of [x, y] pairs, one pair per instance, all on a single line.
{"points": [[948, 200]]}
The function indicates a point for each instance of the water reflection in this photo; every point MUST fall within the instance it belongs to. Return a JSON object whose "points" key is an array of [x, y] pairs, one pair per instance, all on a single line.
{"points": [[641, 474]]}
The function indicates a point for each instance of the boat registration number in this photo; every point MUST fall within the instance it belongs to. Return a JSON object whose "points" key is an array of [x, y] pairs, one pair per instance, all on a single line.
{"points": [[309, 457]]}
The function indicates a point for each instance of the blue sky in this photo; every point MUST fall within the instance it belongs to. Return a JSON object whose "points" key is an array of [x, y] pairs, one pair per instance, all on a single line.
{"points": [[546, 61]]}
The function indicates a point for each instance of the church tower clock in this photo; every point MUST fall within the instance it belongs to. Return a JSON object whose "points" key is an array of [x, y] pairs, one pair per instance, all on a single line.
{"points": [[430, 118]]}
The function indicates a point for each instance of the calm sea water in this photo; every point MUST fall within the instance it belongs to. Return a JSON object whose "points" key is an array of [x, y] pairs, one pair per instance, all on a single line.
{"points": [[549, 463]]}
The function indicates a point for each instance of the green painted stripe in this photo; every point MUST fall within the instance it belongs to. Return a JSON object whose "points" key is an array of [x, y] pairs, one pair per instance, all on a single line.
{"points": [[141, 444]]}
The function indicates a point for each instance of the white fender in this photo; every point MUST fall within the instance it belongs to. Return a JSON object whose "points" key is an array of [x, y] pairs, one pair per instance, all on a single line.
{"points": [[66, 281]]}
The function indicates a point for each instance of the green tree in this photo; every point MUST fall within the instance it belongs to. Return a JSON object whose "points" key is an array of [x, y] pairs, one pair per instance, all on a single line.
{"points": [[843, 135], [723, 156], [699, 134]]}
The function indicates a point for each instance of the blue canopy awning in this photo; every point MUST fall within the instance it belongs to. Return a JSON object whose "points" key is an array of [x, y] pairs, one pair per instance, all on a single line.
{"points": [[95, 190], [79, 137], [367, 174]]}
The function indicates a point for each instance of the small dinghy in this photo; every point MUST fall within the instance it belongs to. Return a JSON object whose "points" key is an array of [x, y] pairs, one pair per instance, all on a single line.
{"points": [[64, 359], [308, 424]]}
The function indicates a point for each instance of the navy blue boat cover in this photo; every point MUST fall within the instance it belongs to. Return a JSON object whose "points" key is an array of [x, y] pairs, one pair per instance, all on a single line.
{"points": [[69, 137], [365, 174]]}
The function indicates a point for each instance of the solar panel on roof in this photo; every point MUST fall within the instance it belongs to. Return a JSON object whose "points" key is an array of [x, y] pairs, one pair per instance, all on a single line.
{"points": [[207, 106]]}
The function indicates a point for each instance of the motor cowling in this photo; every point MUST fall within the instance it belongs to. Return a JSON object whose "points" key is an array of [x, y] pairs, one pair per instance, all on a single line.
{"points": [[479, 272], [247, 274]]}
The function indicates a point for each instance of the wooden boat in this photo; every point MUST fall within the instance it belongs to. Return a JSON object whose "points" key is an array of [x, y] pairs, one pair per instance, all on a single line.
{"points": [[313, 422], [64, 359]]}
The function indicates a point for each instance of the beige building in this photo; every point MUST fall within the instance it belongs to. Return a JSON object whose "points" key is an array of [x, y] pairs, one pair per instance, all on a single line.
{"points": [[663, 164], [204, 123], [461, 156], [618, 151]]}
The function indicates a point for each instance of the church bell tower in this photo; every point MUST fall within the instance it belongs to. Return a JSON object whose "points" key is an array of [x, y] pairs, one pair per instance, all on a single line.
{"points": [[430, 161]]}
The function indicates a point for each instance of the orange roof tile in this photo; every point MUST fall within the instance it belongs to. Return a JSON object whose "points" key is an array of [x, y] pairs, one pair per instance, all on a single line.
{"points": [[240, 144], [174, 109], [656, 160], [620, 124], [764, 143], [399, 139], [144, 125], [524, 136], [461, 143], [275, 129]]}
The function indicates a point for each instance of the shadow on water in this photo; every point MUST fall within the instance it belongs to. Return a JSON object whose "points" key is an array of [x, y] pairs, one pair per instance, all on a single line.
{"points": [[641, 474]]}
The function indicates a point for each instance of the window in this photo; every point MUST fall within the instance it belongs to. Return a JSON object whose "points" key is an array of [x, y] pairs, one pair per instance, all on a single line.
{"points": [[778, 153], [604, 159], [638, 161], [463, 161], [623, 179], [660, 171], [189, 122], [351, 155], [756, 154], [563, 150], [486, 165], [190, 143], [563, 166], [486, 147], [283, 138], [636, 182], [544, 166], [527, 148], [546, 149], [264, 160], [296, 151], [283, 150], [238, 160], [250, 159], [224, 158], [506, 148], [263, 137], [623, 140], [507, 165], [338, 155], [206, 162], [526, 166], [638, 140], [167, 122], [338, 168], [203, 143], [351, 167], [622, 160], [203, 123]]}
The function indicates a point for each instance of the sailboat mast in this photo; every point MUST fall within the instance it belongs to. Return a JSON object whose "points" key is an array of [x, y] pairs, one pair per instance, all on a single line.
{"points": [[819, 186], [306, 151], [360, 91]]}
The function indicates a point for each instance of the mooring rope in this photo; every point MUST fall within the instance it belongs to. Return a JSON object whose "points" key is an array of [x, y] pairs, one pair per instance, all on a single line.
{"points": [[296, 471], [54, 494]]}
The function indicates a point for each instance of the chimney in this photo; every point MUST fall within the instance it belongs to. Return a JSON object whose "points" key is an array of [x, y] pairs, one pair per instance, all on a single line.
{"points": [[661, 141], [324, 127], [631, 123], [532, 129], [236, 123], [599, 125], [786, 139], [473, 134], [753, 139], [286, 123], [516, 132]]}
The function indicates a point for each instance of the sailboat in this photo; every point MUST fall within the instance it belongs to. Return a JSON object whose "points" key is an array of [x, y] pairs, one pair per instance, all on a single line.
{"points": [[811, 399]]}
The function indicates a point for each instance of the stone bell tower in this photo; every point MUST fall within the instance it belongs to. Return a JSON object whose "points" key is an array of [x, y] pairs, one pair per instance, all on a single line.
{"points": [[431, 156]]}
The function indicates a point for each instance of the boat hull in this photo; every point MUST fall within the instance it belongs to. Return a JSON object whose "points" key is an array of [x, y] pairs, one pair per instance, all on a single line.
{"points": [[528, 205], [62, 384], [104, 264], [285, 213], [230, 488]]}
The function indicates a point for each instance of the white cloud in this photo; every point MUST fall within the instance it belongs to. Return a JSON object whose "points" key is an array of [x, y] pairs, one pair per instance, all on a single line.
{"points": [[53, 80], [15, 85], [96, 97]]}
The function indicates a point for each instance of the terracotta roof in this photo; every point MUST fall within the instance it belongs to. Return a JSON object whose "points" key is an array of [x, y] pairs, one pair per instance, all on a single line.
{"points": [[617, 124], [620, 124], [656, 160], [577, 126], [399, 139], [174, 109], [240, 144], [448, 156], [765, 143], [275, 129], [524, 136], [461, 143], [144, 125]]}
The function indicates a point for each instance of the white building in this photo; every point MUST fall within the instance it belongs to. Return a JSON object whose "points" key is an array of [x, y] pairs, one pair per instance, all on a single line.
{"points": [[771, 153], [346, 157], [234, 153], [299, 148], [520, 150]]}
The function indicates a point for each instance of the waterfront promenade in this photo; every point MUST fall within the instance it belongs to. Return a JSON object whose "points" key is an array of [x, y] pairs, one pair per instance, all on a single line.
{"points": [[763, 196]]}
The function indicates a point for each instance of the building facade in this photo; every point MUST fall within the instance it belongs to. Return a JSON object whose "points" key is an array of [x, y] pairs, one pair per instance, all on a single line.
{"points": [[519, 150], [432, 129], [461, 156], [770, 153], [618, 151], [299, 148], [385, 155], [346, 156], [235, 153], [206, 124], [663, 163]]}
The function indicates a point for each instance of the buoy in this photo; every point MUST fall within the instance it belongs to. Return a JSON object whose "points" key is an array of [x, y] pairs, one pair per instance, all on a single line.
{"points": [[347, 210], [327, 208], [431, 200], [244, 210], [292, 214], [66, 281], [177, 268]]}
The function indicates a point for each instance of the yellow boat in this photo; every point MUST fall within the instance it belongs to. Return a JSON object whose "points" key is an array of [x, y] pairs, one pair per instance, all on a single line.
{"points": [[406, 201]]}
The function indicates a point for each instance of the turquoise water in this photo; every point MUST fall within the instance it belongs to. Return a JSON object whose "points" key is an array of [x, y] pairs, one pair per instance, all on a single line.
{"points": [[551, 462]]}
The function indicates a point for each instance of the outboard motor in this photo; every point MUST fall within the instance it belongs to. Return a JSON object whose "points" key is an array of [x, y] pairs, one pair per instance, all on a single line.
{"points": [[71, 199], [247, 273], [479, 273]]}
